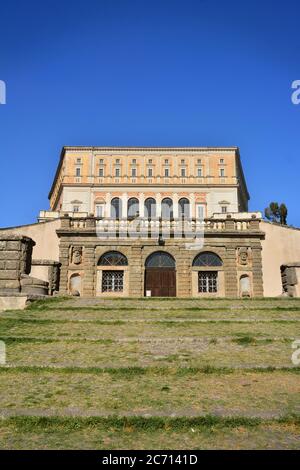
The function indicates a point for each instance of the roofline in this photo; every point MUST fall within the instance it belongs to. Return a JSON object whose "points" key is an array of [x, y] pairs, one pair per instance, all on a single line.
{"points": [[133, 149]]}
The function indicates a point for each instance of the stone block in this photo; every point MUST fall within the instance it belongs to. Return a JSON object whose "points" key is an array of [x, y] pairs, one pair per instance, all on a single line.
{"points": [[7, 255], [2, 245], [9, 284], [13, 245], [11, 264], [12, 274]]}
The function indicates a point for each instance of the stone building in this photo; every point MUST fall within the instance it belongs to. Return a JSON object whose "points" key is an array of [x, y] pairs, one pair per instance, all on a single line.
{"points": [[158, 222], [155, 222]]}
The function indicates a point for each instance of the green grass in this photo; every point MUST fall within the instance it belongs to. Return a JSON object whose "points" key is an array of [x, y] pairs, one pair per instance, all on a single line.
{"points": [[112, 374], [208, 432]]}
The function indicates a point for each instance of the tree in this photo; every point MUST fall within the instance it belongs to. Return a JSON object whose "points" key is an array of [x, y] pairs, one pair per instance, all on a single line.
{"points": [[276, 213], [283, 214]]}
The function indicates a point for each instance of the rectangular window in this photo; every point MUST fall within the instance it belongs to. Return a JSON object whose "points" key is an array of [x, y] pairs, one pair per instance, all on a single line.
{"points": [[117, 161], [133, 172], [134, 161], [167, 172], [150, 172], [222, 172], [221, 160], [101, 172], [224, 209], [166, 161], [183, 172], [199, 172], [75, 208], [200, 211], [199, 161], [207, 281], [112, 281], [117, 172], [182, 162], [78, 172], [78, 161], [150, 161], [101, 161], [100, 210]]}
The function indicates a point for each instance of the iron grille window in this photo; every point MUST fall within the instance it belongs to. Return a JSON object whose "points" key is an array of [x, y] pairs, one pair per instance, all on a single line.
{"points": [[207, 281], [112, 281]]}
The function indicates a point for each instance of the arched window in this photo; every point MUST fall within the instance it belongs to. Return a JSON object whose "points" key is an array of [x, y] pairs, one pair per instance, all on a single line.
{"points": [[167, 208], [113, 258], [207, 258], [150, 208], [184, 207], [160, 259], [116, 208], [132, 207]]}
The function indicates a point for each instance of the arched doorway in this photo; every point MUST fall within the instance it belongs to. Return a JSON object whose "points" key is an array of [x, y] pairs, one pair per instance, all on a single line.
{"points": [[184, 208], [167, 209], [150, 208], [132, 207], [116, 208], [160, 275]]}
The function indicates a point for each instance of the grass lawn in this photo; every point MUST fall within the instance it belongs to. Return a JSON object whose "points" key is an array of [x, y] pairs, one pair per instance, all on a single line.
{"points": [[150, 373]]}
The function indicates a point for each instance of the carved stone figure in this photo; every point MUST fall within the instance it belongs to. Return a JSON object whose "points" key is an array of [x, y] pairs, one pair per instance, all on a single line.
{"points": [[243, 257], [77, 255]]}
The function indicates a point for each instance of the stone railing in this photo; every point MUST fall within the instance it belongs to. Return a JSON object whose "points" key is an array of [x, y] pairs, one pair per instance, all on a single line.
{"points": [[145, 227]]}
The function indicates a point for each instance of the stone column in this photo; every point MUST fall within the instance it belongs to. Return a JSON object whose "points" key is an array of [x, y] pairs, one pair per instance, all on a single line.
{"points": [[158, 205], [175, 199], [192, 206], [107, 205], [124, 199], [142, 205]]}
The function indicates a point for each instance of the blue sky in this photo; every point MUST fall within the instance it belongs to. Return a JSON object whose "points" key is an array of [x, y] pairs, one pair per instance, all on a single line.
{"points": [[148, 72]]}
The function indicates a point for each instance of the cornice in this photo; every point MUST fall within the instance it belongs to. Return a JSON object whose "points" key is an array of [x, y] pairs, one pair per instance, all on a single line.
{"points": [[149, 149]]}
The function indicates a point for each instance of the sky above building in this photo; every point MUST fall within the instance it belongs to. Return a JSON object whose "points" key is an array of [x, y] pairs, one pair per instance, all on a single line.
{"points": [[148, 73]]}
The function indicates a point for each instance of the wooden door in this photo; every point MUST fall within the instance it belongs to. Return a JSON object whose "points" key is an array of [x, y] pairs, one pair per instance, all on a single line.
{"points": [[161, 282]]}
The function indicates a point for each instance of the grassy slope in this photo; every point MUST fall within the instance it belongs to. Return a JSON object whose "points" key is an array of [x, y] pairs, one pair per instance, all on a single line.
{"points": [[150, 373]]}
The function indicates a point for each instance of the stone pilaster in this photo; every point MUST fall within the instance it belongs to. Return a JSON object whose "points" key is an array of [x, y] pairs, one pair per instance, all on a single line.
{"points": [[89, 277], [258, 289], [64, 261], [183, 273], [136, 272], [231, 287]]}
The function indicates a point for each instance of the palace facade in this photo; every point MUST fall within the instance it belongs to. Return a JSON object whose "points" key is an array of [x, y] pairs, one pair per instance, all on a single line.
{"points": [[148, 221], [155, 222]]}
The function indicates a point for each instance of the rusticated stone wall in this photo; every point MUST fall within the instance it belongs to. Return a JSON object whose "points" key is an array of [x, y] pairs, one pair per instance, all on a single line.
{"points": [[15, 261], [240, 251]]}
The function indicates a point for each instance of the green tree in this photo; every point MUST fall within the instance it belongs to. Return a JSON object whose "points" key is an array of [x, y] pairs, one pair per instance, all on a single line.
{"points": [[276, 213], [283, 214]]}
